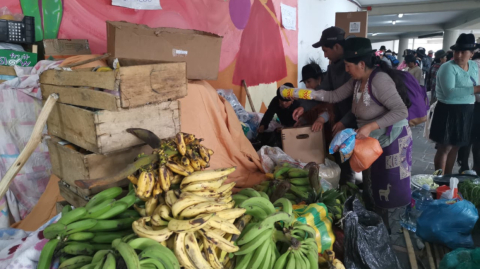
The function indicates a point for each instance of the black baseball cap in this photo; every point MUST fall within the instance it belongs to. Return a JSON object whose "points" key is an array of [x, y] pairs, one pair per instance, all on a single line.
{"points": [[329, 35], [311, 70], [410, 59]]}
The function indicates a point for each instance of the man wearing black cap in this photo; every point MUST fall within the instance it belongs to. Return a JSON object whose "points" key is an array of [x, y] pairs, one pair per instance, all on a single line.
{"points": [[332, 42]]}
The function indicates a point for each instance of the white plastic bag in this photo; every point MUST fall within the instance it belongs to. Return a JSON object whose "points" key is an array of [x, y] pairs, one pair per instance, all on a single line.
{"points": [[242, 114], [428, 123], [330, 171], [273, 156]]}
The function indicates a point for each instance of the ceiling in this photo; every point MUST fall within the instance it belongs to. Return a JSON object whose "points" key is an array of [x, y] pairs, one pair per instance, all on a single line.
{"points": [[420, 17]]}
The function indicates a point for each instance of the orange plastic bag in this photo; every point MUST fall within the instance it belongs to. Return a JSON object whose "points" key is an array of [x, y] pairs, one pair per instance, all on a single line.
{"points": [[366, 151]]}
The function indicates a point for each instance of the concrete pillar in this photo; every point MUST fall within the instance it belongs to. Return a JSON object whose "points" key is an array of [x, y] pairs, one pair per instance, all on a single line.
{"points": [[449, 38], [402, 45]]}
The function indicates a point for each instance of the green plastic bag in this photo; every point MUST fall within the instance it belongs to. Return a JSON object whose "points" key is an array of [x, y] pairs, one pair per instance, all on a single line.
{"points": [[461, 258]]}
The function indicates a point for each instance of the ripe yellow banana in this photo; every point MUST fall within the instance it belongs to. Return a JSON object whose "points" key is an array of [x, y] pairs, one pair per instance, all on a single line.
{"points": [[205, 207], [163, 211], [188, 138], [185, 161], [179, 250], [141, 211], [210, 152], [226, 188], [209, 252], [232, 213], [178, 169], [139, 227], [204, 185], [176, 179], [157, 189], [204, 153], [180, 226], [170, 198], [157, 221], [145, 184], [223, 225], [207, 175], [185, 202], [219, 241], [164, 175], [208, 194], [195, 163], [194, 253], [182, 148], [150, 205]]}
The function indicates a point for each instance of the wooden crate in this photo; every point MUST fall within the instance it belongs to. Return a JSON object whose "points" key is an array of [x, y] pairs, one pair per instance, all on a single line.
{"points": [[71, 197], [69, 164], [105, 131], [137, 86]]}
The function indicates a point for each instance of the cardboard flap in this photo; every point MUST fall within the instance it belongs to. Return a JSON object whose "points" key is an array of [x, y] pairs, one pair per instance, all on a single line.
{"points": [[303, 144]]}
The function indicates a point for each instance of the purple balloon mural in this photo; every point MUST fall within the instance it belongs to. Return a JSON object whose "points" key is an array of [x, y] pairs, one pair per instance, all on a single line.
{"points": [[239, 12]]}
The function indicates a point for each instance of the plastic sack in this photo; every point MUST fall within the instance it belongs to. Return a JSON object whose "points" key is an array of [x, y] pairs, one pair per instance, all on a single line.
{"points": [[367, 243], [448, 222], [242, 114], [330, 171], [316, 215], [5, 14], [460, 259], [365, 153], [343, 142]]}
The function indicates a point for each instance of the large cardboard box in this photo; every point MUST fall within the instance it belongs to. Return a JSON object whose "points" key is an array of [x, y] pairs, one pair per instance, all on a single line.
{"points": [[200, 50], [353, 23], [59, 49], [303, 144]]}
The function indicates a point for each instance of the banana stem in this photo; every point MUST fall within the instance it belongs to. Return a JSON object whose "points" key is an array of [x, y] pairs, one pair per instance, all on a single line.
{"points": [[280, 236], [128, 170]]}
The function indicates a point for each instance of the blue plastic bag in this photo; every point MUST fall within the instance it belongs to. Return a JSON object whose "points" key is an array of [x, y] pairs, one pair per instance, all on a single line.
{"points": [[448, 222], [343, 142]]}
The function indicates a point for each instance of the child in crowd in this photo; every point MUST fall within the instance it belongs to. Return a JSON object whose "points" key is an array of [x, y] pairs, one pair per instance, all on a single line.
{"points": [[284, 109], [413, 69]]}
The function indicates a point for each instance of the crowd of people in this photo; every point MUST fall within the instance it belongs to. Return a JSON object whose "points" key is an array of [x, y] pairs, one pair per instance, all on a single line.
{"points": [[376, 94]]}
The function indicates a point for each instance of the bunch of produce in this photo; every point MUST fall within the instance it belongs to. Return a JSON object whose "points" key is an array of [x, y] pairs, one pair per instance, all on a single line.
{"points": [[177, 157], [470, 191], [127, 252], [80, 232], [270, 240], [196, 221]]}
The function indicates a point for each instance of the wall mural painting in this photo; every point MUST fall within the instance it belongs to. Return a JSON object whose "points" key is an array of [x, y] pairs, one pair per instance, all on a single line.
{"points": [[255, 47]]}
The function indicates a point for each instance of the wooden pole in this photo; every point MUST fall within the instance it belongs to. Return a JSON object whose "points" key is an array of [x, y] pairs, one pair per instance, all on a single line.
{"points": [[430, 257], [437, 254], [32, 144], [411, 251], [248, 95]]}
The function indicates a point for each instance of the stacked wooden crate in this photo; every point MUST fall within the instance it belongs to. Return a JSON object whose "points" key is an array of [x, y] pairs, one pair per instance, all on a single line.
{"points": [[89, 122], [7, 71]]}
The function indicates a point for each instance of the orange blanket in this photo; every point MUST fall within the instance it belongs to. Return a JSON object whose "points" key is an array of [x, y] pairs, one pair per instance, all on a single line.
{"points": [[203, 113]]}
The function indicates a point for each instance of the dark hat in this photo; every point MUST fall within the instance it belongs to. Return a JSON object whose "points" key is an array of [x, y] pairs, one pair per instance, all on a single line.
{"points": [[312, 70], [421, 52], [440, 54], [279, 94], [383, 48], [465, 42], [330, 35], [357, 47], [410, 59]]}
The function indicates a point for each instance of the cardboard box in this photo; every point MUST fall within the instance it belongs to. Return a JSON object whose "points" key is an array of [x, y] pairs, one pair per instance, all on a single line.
{"points": [[353, 23], [200, 50], [58, 49], [20, 58], [303, 144]]}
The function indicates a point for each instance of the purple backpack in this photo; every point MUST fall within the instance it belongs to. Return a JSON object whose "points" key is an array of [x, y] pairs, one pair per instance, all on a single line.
{"points": [[417, 112]]}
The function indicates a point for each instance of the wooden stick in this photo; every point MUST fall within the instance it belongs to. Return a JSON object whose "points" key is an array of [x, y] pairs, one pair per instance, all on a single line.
{"points": [[437, 254], [106, 55], [32, 144], [411, 251], [248, 95], [430, 257]]}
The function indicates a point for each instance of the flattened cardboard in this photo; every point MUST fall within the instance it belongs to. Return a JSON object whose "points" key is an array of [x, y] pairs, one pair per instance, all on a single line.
{"points": [[353, 23], [304, 145], [64, 48], [200, 50]]}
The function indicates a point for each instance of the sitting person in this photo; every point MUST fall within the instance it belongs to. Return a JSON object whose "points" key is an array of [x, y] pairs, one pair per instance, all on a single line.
{"points": [[284, 109]]}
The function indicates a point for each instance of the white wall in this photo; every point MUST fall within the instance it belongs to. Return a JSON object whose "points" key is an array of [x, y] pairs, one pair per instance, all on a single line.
{"points": [[390, 45], [314, 16]]}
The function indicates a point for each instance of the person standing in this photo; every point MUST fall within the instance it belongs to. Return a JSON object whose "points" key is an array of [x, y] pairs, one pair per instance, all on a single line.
{"points": [[457, 81], [332, 42], [431, 78], [427, 62], [380, 101], [413, 68]]}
